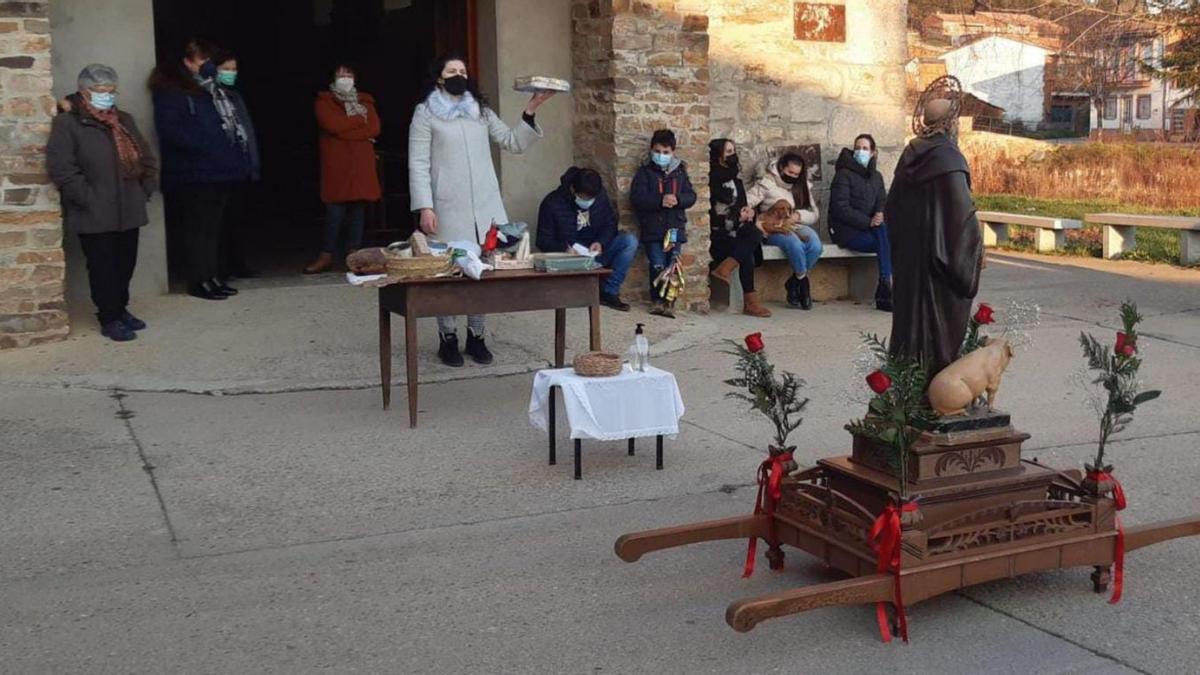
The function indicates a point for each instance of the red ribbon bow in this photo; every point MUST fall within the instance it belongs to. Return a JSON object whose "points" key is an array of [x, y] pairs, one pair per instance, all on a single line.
{"points": [[885, 538], [770, 484], [1118, 497]]}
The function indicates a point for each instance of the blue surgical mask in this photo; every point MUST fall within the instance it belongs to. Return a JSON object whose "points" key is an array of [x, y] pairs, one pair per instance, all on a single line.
{"points": [[863, 157], [661, 158], [585, 204], [227, 77], [103, 100]]}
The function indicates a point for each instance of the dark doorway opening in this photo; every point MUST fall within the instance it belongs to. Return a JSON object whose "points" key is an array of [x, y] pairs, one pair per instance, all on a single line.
{"points": [[285, 49]]}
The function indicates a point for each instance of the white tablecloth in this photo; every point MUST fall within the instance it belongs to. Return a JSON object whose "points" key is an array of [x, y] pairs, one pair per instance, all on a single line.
{"points": [[629, 405]]}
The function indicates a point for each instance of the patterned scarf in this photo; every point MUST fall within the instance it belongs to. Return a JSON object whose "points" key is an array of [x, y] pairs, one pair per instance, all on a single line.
{"points": [[128, 153], [230, 122], [350, 100]]}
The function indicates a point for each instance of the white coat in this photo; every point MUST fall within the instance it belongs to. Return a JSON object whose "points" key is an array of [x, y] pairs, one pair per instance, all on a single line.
{"points": [[769, 188], [450, 165]]}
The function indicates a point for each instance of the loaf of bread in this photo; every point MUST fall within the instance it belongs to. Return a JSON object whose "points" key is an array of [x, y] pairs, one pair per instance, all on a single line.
{"points": [[367, 261]]}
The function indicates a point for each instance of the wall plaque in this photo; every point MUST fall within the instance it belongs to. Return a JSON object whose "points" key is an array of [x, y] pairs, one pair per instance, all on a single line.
{"points": [[820, 22]]}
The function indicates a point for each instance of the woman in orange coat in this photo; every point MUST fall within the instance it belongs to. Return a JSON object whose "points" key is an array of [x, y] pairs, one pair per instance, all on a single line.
{"points": [[349, 124]]}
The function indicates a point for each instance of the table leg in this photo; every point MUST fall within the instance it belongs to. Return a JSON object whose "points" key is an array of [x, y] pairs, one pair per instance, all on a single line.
{"points": [[385, 355], [658, 441], [594, 332], [553, 429], [410, 363], [578, 459], [632, 446], [560, 337]]}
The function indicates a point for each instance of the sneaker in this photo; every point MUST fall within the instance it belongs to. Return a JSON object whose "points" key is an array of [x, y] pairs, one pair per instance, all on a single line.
{"points": [[132, 322], [477, 349], [448, 351], [614, 301], [117, 331]]}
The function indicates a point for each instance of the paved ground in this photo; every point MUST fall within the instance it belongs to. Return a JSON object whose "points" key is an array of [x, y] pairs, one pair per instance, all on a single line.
{"points": [[226, 496]]}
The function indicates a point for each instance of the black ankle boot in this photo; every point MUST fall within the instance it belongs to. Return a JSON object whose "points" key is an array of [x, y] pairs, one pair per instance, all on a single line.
{"points": [[448, 351], [204, 291], [883, 295], [477, 349], [805, 292], [792, 286]]}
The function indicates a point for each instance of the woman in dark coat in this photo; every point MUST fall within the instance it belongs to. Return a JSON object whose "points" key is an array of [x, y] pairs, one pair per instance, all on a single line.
{"points": [[205, 153], [856, 201], [105, 172], [735, 241], [237, 217]]}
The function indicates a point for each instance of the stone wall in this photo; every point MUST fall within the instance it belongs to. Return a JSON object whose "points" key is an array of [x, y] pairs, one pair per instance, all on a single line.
{"points": [[770, 89], [639, 66], [32, 309]]}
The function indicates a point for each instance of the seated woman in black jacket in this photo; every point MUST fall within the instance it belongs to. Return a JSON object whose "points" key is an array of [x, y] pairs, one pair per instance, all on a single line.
{"points": [[735, 241], [856, 202]]}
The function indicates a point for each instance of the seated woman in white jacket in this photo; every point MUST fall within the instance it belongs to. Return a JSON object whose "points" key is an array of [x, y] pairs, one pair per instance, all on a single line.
{"points": [[786, 180], [451, 179]]}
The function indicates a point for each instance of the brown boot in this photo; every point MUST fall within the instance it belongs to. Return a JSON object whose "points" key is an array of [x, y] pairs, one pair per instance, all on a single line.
{"points": [[751, 307], [323, 262], [725, 270]]}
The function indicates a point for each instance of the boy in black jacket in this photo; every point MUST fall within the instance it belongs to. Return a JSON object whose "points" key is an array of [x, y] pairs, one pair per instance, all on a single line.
{"points": [[661, 195], [579, 212]]}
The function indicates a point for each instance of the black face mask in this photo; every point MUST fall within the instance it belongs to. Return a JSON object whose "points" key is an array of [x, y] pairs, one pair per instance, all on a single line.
{"points": [[455, 86], [790, 180], [731, 161]]}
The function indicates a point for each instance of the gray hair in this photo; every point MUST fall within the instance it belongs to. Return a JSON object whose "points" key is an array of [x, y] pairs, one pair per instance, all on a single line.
{"points": [[97, 75]]}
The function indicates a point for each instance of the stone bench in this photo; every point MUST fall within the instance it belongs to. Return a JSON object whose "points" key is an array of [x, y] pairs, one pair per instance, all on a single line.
{"points": [[841, 273], [1119, 233], [1049, 233]]}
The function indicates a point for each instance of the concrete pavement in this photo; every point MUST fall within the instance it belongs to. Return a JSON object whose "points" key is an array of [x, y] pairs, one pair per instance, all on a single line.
{"points": [[290, 525]]}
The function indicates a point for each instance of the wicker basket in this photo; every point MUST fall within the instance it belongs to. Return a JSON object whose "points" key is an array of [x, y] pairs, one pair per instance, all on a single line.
{"points": [[417, 267], [598, 364]]}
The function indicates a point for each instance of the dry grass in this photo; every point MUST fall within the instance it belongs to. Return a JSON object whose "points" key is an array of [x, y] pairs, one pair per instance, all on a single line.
{"points": [[1153, 175]]}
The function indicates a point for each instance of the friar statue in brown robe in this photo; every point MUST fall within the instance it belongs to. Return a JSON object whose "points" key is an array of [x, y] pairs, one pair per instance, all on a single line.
{"points": [[937, 250]]}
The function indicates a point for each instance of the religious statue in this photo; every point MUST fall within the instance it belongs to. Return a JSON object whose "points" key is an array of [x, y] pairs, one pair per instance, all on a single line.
{"points": [[937, 250]]}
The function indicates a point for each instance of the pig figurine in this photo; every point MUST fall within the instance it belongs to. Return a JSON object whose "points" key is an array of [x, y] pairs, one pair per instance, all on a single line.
{"points": [[955, 388]]}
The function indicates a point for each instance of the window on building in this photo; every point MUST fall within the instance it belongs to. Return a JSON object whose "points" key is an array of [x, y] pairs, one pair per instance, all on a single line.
{"points": [[1110, 108], [1143, 107]]}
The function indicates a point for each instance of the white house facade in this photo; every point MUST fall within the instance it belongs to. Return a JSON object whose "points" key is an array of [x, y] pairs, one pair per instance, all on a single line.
{"points": [[1004, 72]]}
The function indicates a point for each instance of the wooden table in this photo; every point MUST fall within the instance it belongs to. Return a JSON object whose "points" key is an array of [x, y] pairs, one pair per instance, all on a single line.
{"points": [[497, 292]]}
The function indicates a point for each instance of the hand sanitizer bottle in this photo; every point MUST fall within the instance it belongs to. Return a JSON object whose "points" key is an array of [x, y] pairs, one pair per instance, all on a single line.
{"points": [[641, 348]]}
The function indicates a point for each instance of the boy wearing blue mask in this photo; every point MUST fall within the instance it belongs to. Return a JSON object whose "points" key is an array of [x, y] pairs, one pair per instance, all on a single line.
{"points": [[661, 194], [580, 212]]}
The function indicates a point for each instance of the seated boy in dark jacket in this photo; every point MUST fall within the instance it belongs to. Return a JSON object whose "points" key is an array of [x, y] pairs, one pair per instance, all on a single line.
{"points": [[661, 194], [579, 212]]}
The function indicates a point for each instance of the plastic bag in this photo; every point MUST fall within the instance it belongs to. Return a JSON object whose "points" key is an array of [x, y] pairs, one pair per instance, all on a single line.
{"points": [[469, 262]]}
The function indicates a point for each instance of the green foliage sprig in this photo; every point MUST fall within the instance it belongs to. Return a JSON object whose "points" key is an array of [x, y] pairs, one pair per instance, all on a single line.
{"points": [[778, 399], [897, 415], [1117, 374]]}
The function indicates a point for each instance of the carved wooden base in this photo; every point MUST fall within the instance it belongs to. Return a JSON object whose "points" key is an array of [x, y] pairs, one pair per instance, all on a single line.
{"points": [[974, 528]]}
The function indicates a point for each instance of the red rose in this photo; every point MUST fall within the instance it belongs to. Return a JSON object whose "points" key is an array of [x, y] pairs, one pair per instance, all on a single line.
{"points": [[879, 382], [983, 315], [1125, 346], [754, 343]]}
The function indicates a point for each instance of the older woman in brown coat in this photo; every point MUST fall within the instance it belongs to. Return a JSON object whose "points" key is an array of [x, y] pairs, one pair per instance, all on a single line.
{"points": [[106, 172], [349, 124]]}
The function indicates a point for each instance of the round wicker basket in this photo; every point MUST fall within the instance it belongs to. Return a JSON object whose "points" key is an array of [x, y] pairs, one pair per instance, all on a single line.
{"points": [[416, 267], [598, 364]]}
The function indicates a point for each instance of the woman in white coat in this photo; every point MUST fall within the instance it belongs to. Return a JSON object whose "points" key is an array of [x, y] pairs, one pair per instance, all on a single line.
{"points": [[452, 181], [786, 180]]}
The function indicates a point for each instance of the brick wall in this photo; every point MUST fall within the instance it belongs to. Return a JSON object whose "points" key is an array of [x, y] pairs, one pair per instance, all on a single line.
{"points": [[32, 309], [639, 66]]}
